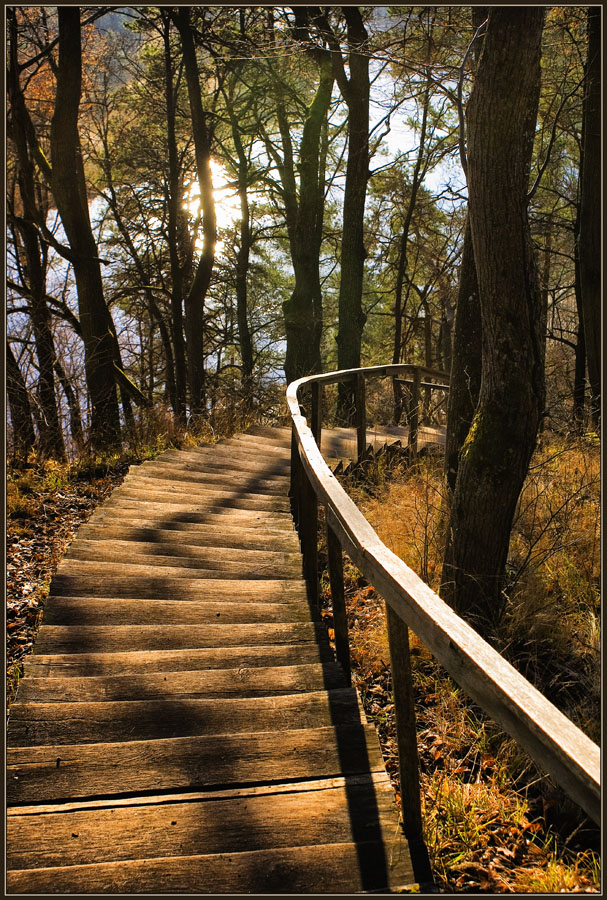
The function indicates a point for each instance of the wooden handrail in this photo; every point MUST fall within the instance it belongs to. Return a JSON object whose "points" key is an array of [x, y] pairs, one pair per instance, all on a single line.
{"points": [[550, 738]]}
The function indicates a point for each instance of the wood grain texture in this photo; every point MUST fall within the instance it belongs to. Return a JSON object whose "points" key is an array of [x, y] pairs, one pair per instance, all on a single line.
{"points": [[329, 868], [53, 774], [202, 683], [138, 661], [43, 724], [241, 823]]}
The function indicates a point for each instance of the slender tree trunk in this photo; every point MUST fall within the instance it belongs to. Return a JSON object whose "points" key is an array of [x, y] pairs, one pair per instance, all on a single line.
{"points": [[590, 211], [69, 191], [242, 258], [24, 436], [495, 457], [353, 252], [195, 298], [305, 215], [76, 429], [466, 360], [51, 438], [175, 198]]}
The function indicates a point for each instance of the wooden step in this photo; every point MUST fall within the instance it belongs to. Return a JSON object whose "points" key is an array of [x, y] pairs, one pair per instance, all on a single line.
{"points": [[53, 639], [70, 771], [244, 840], [37, 724], [138, 661], [204, 683], [230, 541], [153, 554]]}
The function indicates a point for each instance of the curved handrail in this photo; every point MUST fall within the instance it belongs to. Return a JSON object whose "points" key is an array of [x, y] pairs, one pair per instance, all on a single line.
{"points": [[549, 737]]}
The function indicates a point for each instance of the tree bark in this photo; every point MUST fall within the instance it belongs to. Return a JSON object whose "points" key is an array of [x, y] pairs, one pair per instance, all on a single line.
{"points": [[69, 190], [495, 457], [590, 211]]}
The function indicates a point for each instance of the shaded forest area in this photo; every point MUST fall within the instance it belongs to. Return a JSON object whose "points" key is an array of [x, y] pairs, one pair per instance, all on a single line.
{"points": [[204, 203]]}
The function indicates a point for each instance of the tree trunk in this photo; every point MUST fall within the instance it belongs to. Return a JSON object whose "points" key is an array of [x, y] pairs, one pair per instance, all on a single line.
{"points": [[495, 457], [305, 215], [24, 437], [73, 405], [466, 359], [195, 298], [50, 439], [174, 200], [590, 211], [69, 191], [353, 252]]}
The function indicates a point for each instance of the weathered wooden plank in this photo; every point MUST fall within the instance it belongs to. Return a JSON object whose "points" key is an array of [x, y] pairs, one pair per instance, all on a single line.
{"points": [[36, 724], [193, 512], [235, 458], [179, 554], [159, 584], [138, 661], [329, 868], [177, 476], [232, 543], [87, 770], [196, 499], [120, 638], [76, 611], [207, 526], [249, 822], [204, 683], [189, 491]]}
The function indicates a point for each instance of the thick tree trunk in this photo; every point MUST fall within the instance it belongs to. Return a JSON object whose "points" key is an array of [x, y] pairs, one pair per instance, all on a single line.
{"points": [[69, 191], [24, 436], [495, 457], [590, 211]]}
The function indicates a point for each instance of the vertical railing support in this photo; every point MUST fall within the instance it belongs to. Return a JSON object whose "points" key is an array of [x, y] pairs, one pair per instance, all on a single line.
{"points": [[316, 417], [340, 619], [296, 473], [408, 761], [414, 413], [308, 536], [361, 417]]}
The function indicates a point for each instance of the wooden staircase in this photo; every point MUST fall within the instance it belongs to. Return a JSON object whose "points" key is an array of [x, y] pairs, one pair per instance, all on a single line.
{"points": [[182, 726]]}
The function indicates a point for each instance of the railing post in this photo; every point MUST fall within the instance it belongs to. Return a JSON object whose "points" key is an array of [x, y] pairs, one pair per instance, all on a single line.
{"points": [[308, 535], [361, 417], [414, 413], [406, 736], [296, 473], [316, 417], [340, 620]]}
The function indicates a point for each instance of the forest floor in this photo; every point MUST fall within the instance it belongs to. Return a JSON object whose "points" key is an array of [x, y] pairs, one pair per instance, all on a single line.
{"points": [[484, 833]]}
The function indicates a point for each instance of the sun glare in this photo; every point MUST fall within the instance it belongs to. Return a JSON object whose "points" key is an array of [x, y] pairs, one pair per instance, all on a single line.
{"points": [[227, 203]]}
